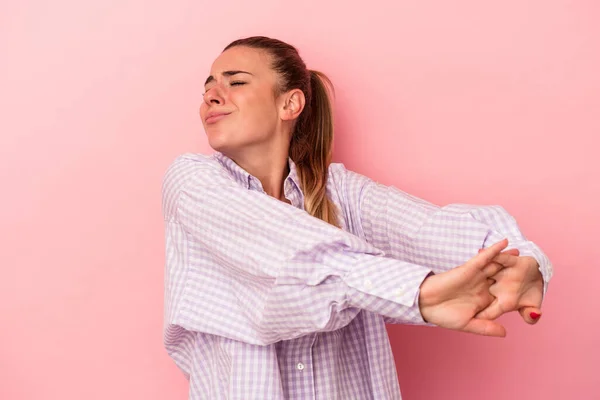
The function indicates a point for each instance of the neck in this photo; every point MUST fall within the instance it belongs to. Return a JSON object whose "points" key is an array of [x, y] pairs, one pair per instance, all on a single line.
{"points": [[271, 170]]}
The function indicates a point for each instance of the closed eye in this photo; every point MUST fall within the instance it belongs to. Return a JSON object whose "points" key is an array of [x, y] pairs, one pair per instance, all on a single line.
{"points": [[235, 83]]}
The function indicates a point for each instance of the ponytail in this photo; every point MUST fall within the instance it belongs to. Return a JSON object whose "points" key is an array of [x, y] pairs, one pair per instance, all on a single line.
{"points": [[311, 147]]}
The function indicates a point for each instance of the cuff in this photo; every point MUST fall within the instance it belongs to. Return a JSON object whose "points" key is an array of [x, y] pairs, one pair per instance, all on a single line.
{"points": [[545, 267], [387, 287]]}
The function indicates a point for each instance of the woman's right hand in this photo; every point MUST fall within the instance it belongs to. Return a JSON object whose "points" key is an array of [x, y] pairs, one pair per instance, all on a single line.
{"points": [[453, 298]]}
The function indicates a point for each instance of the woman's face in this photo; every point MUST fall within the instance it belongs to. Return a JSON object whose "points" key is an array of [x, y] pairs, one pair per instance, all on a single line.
{"points": [[240, 110]]}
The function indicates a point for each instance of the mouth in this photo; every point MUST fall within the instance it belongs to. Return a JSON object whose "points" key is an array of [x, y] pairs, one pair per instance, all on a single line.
{"points": [[215, 117]]}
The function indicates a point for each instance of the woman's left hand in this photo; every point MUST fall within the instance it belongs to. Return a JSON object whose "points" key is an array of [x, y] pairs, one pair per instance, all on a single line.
{"points": [[519, 287]]}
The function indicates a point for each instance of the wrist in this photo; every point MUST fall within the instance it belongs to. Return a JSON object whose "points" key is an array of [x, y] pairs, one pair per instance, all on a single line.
{"points": [[424, 299]]}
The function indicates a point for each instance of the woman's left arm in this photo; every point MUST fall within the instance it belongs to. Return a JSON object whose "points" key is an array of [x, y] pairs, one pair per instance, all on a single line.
{"points": [[414, 230]]}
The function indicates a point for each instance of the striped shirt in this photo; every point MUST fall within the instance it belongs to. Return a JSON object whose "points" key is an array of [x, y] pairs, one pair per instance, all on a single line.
{"points": [[264, 301]]}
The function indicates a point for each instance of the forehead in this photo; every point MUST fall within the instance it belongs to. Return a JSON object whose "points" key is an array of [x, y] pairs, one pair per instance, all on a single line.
{"points": [[255, 61]]}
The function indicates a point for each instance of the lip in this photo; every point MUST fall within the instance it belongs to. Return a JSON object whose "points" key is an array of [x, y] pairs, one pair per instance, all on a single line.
{"points": [[215, 116]]}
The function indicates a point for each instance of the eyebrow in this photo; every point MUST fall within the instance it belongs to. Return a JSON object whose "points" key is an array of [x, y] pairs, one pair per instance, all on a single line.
{"points": [[226, 73]]}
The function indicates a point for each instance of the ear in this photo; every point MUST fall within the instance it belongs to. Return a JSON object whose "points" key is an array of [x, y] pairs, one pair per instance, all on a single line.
{"points": [[293, 104]]}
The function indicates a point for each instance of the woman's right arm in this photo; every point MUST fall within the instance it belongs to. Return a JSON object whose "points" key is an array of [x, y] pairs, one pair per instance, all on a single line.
{"points": [[243, 265]]}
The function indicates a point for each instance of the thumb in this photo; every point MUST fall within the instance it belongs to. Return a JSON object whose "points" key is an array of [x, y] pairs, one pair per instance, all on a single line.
{"points": [[487, 254], [512, 252], [531, 315]]}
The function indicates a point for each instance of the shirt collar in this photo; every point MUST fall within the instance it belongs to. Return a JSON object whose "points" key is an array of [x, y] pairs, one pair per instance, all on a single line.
{"points": [[244, 178]]}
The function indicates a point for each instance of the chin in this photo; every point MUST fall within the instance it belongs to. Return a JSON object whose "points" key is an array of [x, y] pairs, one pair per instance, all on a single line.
{"points": [[217, 145], [217, 139], [220, 144]]}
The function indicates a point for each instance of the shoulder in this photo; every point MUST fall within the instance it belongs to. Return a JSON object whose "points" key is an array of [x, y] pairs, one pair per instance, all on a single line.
{"points": [[188, 161], [347, 187], [341, 176], [199, 170], [192, 166], [337, 168]]}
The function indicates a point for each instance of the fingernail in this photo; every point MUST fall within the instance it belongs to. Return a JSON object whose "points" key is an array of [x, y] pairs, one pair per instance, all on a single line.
{"points": [[534, 315]]}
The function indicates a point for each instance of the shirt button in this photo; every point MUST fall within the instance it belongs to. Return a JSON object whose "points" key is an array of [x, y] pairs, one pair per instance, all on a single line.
{"points": [[300, 366], [400, 293], [368, 284]]}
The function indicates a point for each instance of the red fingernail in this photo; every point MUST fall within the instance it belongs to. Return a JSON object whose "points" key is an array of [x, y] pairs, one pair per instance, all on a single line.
{"points": [[535, 315]]}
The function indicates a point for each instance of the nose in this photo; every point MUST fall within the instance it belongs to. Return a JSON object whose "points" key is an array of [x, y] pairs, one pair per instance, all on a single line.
{"points": [[214, 95]]}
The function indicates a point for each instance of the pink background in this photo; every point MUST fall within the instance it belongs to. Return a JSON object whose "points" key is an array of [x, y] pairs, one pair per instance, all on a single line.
{"points": [[462, 101]]}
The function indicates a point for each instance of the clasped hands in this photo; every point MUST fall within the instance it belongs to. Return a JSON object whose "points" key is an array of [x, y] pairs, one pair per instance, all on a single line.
{"points": [[472, 296]]}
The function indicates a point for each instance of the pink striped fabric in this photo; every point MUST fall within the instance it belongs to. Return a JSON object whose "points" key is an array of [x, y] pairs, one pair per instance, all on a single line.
{"points": [[264, 301]]}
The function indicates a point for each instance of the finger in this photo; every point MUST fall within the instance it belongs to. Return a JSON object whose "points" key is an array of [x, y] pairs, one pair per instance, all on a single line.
{"points": [[508, 260], [485, 328], [492, 269], [491, 312], [531, 315], [512, 252], [497, 307], [500, 274], [485, 256], [489, 298]]}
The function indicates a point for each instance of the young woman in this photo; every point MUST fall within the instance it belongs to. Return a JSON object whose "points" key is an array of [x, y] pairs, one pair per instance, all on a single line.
{"points": [[282, 268]]}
